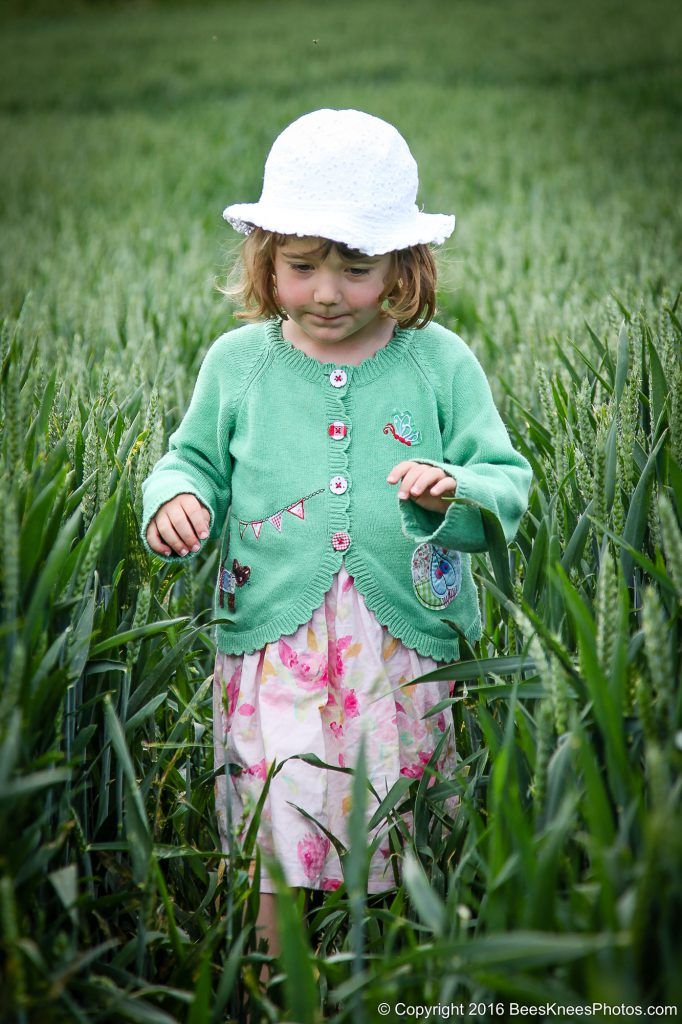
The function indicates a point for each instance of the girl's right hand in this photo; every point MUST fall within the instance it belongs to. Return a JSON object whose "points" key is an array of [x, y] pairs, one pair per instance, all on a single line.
{"points": [[179, 526]]}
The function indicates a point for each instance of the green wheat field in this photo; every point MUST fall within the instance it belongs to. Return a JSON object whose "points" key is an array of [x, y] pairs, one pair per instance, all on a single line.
{"points": [[552, 131]]}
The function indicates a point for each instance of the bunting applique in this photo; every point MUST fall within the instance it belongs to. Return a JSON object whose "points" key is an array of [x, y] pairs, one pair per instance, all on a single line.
{"points": [[297, 508]]}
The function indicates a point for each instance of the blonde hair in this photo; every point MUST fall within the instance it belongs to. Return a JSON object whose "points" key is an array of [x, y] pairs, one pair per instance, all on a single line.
{"points": [[410, 292]]}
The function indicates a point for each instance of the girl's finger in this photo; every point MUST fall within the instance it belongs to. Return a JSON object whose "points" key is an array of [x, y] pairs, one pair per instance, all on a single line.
{"points": [[423, 478], [155, 541], [197, 515], [405, 484], [443, 486], [184, 527], [399, 470], [410, 480], [168, 529]]}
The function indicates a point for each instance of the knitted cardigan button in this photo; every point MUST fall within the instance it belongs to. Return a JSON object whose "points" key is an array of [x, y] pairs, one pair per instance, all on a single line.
{"points": [[341, 541], [338, 378], [337, 430], [338, 485]]}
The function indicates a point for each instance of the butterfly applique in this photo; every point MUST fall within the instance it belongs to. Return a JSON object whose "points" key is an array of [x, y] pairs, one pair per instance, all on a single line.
{"points": [[436, 575], [401, 428]]}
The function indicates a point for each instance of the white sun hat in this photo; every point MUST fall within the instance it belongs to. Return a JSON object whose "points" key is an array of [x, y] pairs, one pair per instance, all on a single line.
{"points": [[343, 175]]}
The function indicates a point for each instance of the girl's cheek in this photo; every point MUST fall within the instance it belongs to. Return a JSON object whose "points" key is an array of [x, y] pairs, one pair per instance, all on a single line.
{"points": [[374, 296], [295, 290]]}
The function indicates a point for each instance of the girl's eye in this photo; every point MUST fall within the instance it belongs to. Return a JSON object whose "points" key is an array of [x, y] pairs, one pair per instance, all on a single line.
{"points": [[359, 271], [300, 266]]}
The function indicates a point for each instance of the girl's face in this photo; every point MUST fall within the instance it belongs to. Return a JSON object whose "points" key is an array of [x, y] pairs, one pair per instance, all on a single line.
{"points": [[330, 300]]}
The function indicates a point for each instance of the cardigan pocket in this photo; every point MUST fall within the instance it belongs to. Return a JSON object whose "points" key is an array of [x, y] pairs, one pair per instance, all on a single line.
{"points": [[436, 575]]}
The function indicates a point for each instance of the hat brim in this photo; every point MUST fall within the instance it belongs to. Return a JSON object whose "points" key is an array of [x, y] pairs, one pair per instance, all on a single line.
{"points": [[355, 231]]}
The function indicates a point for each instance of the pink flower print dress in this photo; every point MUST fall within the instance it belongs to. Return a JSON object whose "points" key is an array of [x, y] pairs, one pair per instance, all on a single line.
{"points": [[317, 691]]}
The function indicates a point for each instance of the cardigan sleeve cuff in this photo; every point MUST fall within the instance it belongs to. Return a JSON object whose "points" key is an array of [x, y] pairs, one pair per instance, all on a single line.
{"points": [[156, 492], [461, 528]]}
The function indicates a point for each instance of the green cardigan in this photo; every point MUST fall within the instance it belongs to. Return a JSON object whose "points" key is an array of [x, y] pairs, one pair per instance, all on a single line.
{"points": [[295, 453]]}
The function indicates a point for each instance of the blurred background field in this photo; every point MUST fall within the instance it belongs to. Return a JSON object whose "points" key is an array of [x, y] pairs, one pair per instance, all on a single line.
{"points": [[553, 133]]}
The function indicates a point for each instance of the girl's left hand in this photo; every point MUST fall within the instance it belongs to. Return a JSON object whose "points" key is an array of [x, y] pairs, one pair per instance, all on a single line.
{"points": [[417, 478]]}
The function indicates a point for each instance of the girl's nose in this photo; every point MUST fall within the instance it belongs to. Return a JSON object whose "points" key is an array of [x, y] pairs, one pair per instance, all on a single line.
{"points": [[327, 290]]}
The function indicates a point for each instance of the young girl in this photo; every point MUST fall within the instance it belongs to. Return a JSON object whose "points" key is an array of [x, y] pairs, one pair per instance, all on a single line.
{"points": [[320, 445]]}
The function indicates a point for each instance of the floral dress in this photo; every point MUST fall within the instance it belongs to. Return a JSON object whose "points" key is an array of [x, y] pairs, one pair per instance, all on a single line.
{"points": [[317, 691]]}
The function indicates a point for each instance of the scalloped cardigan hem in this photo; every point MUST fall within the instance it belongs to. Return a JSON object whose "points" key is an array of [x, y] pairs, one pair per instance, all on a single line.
{"points": [[286, 625]]}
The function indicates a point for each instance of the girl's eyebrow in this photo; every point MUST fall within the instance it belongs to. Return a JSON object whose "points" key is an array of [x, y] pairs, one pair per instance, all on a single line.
{"points": [[360, 258]]}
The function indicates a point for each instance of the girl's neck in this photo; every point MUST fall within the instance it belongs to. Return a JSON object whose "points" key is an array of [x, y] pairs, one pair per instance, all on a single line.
{"points": [[345, 351]]}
